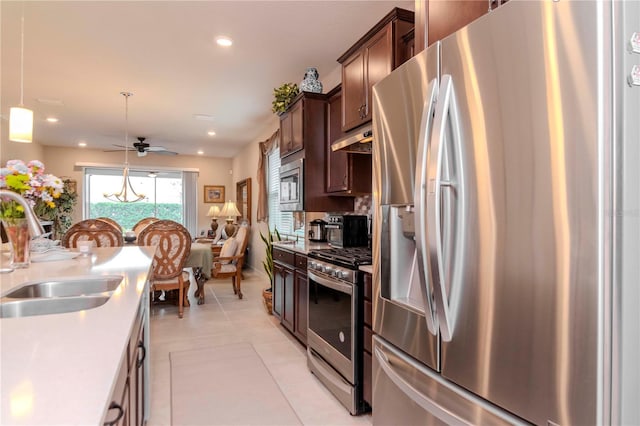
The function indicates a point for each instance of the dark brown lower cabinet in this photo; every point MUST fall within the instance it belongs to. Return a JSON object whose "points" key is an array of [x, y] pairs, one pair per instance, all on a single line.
{"points": [[127, 403], [290, 290]]}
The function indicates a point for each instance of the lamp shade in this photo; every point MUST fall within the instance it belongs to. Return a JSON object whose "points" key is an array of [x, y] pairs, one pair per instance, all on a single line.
{"points": [[230, 210], [214, 211], [20, 125]]}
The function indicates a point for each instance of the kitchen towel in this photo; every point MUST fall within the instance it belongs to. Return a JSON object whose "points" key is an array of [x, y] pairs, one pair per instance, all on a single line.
{"points": [[226, 385]]}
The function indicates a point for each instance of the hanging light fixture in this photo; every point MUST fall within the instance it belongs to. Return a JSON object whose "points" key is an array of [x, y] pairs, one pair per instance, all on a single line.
{"points": [[126, 194], [21, 118]]}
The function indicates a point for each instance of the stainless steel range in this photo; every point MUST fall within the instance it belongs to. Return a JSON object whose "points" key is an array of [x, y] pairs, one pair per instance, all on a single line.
{"points": [[335, 334]]}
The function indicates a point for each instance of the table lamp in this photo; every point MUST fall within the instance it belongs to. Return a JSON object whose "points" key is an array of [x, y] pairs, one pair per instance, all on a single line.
{"points": [[231, 212], [213, 213]]}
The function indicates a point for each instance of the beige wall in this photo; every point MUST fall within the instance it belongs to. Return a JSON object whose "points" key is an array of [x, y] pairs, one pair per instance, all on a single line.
{"points": [[20, 151], [245, 165], [213, 171]]}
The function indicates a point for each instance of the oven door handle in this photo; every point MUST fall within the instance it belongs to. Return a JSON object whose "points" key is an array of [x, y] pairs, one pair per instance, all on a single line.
{"points": [[332, 226], [335, 285]]}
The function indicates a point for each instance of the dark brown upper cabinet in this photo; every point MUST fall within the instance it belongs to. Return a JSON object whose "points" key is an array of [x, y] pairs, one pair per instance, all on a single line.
{"points": [[368, 61], [305, 119], [347, 174], [437, 19], [291, 129]]}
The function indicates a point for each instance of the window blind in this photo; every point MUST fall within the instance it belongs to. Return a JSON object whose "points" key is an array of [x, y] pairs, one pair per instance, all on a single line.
{"points": [[283, 221], [190, 191]]}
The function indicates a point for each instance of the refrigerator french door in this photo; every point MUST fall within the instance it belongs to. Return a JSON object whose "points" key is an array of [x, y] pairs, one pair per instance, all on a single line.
{"points": [[493, 192]]}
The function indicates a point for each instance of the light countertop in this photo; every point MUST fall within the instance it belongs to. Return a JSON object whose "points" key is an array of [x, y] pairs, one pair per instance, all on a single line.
{"points": [[303, 247], [366, 268], [61, 368]]}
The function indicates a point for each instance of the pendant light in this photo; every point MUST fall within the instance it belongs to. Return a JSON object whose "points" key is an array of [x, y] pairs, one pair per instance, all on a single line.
{"points": [[21, 118], [126, 194]]}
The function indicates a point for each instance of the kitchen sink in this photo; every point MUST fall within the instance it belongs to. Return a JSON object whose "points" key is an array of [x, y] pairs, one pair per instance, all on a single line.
{"points": [[46, 306], [77, 286]]}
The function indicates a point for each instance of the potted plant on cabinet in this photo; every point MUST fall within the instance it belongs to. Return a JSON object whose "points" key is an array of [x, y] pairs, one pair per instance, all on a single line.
{"points": [[267, 263], [283, 96]]}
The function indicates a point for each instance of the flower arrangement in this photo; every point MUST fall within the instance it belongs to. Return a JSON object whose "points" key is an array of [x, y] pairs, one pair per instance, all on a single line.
{"points": [[29, 180], [62, 214], [283, 96]]}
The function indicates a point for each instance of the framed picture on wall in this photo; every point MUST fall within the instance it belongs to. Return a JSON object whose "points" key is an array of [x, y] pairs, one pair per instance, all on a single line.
{"points": [[214, 193]]}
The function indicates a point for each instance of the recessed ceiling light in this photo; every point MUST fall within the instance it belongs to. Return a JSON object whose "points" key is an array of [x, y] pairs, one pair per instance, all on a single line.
{"points": [[200, 152], [224, 41], [82, 144], [52, 119], [211, 133], [203, 117]]}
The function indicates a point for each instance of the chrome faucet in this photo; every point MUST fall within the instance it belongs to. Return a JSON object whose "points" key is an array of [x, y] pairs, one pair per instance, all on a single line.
{"points": [[35, 228]]}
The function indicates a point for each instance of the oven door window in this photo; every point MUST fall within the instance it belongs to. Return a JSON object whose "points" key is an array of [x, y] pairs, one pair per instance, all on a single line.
{"points": [[331, 316]]}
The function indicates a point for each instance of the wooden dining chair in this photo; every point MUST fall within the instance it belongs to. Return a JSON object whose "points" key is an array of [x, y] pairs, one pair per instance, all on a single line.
{"points": [[111, 221], [173, 243], [142, 223], [103, 234], [229, 263]]}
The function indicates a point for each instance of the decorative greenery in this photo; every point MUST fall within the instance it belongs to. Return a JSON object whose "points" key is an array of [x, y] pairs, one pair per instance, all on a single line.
{"points": [[128, 214], [268, 262], [62, 215], [40, 190], [283, 96]]}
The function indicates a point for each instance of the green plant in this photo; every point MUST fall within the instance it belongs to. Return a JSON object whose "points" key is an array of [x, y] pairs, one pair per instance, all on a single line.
{"points": [[61, 215], [283, 96], [267, 263]]}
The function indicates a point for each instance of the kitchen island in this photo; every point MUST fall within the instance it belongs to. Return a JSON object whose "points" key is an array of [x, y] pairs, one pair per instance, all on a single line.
{"points": [[63, 368]]}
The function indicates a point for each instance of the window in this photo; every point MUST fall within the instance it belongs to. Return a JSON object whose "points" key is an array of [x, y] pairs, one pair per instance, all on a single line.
{"points": [[164, 196], [283, 221]]}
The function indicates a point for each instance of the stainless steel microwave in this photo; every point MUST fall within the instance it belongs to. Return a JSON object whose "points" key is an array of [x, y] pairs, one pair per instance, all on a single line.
{"points": [[292, 186]]}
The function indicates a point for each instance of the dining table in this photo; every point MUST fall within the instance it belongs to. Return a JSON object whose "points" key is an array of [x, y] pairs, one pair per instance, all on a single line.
{"points": [[201, 260]]}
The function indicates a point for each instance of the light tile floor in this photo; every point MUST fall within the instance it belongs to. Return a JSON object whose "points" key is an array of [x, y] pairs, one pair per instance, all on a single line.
{"points": [[225, 319]]}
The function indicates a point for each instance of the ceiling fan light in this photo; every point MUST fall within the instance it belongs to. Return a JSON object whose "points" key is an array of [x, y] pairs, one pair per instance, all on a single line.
{"points": [[21, 125]]}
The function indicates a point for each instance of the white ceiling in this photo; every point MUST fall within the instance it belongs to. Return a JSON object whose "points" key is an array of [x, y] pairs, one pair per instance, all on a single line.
{"points": [[84, 53]]}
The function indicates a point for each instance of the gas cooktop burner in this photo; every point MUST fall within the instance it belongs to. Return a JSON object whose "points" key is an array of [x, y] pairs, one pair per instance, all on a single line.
{"points": [[350, 257]]}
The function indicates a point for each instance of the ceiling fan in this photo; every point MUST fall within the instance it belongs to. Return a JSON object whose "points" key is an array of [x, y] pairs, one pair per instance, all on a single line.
{"points": [[142, 148]]}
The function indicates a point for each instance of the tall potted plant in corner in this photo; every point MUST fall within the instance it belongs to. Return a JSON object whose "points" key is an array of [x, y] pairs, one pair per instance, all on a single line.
{"points": [[267, 263]]}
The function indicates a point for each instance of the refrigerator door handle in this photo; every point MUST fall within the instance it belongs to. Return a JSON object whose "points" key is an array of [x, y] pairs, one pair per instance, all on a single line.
{"points": [[446, 110], [414, 394], [420, 200]]}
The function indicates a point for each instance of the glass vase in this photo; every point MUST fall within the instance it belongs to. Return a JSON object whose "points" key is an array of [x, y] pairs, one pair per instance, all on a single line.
{"points": [[18, 233]]}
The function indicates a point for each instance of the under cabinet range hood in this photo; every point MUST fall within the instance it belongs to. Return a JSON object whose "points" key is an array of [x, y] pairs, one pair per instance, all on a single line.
{"points": [[357, 141]]}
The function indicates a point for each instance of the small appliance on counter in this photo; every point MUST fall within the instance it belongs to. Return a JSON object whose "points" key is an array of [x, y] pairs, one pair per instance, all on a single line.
{"points": [[347, 231], [317, 230]]}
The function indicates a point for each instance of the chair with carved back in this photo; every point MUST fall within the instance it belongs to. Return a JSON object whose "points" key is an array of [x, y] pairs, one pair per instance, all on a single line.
{"points": [[173, 243], [103, 234], [229, 263], [111, 221], [142, 223]]}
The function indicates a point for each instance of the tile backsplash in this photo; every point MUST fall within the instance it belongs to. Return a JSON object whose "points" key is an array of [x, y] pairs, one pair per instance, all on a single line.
{"points": [[362, 205]]}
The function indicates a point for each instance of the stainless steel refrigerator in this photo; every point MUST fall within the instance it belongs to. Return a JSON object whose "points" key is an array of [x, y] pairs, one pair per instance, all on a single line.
{"points": [[506, 244]]}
